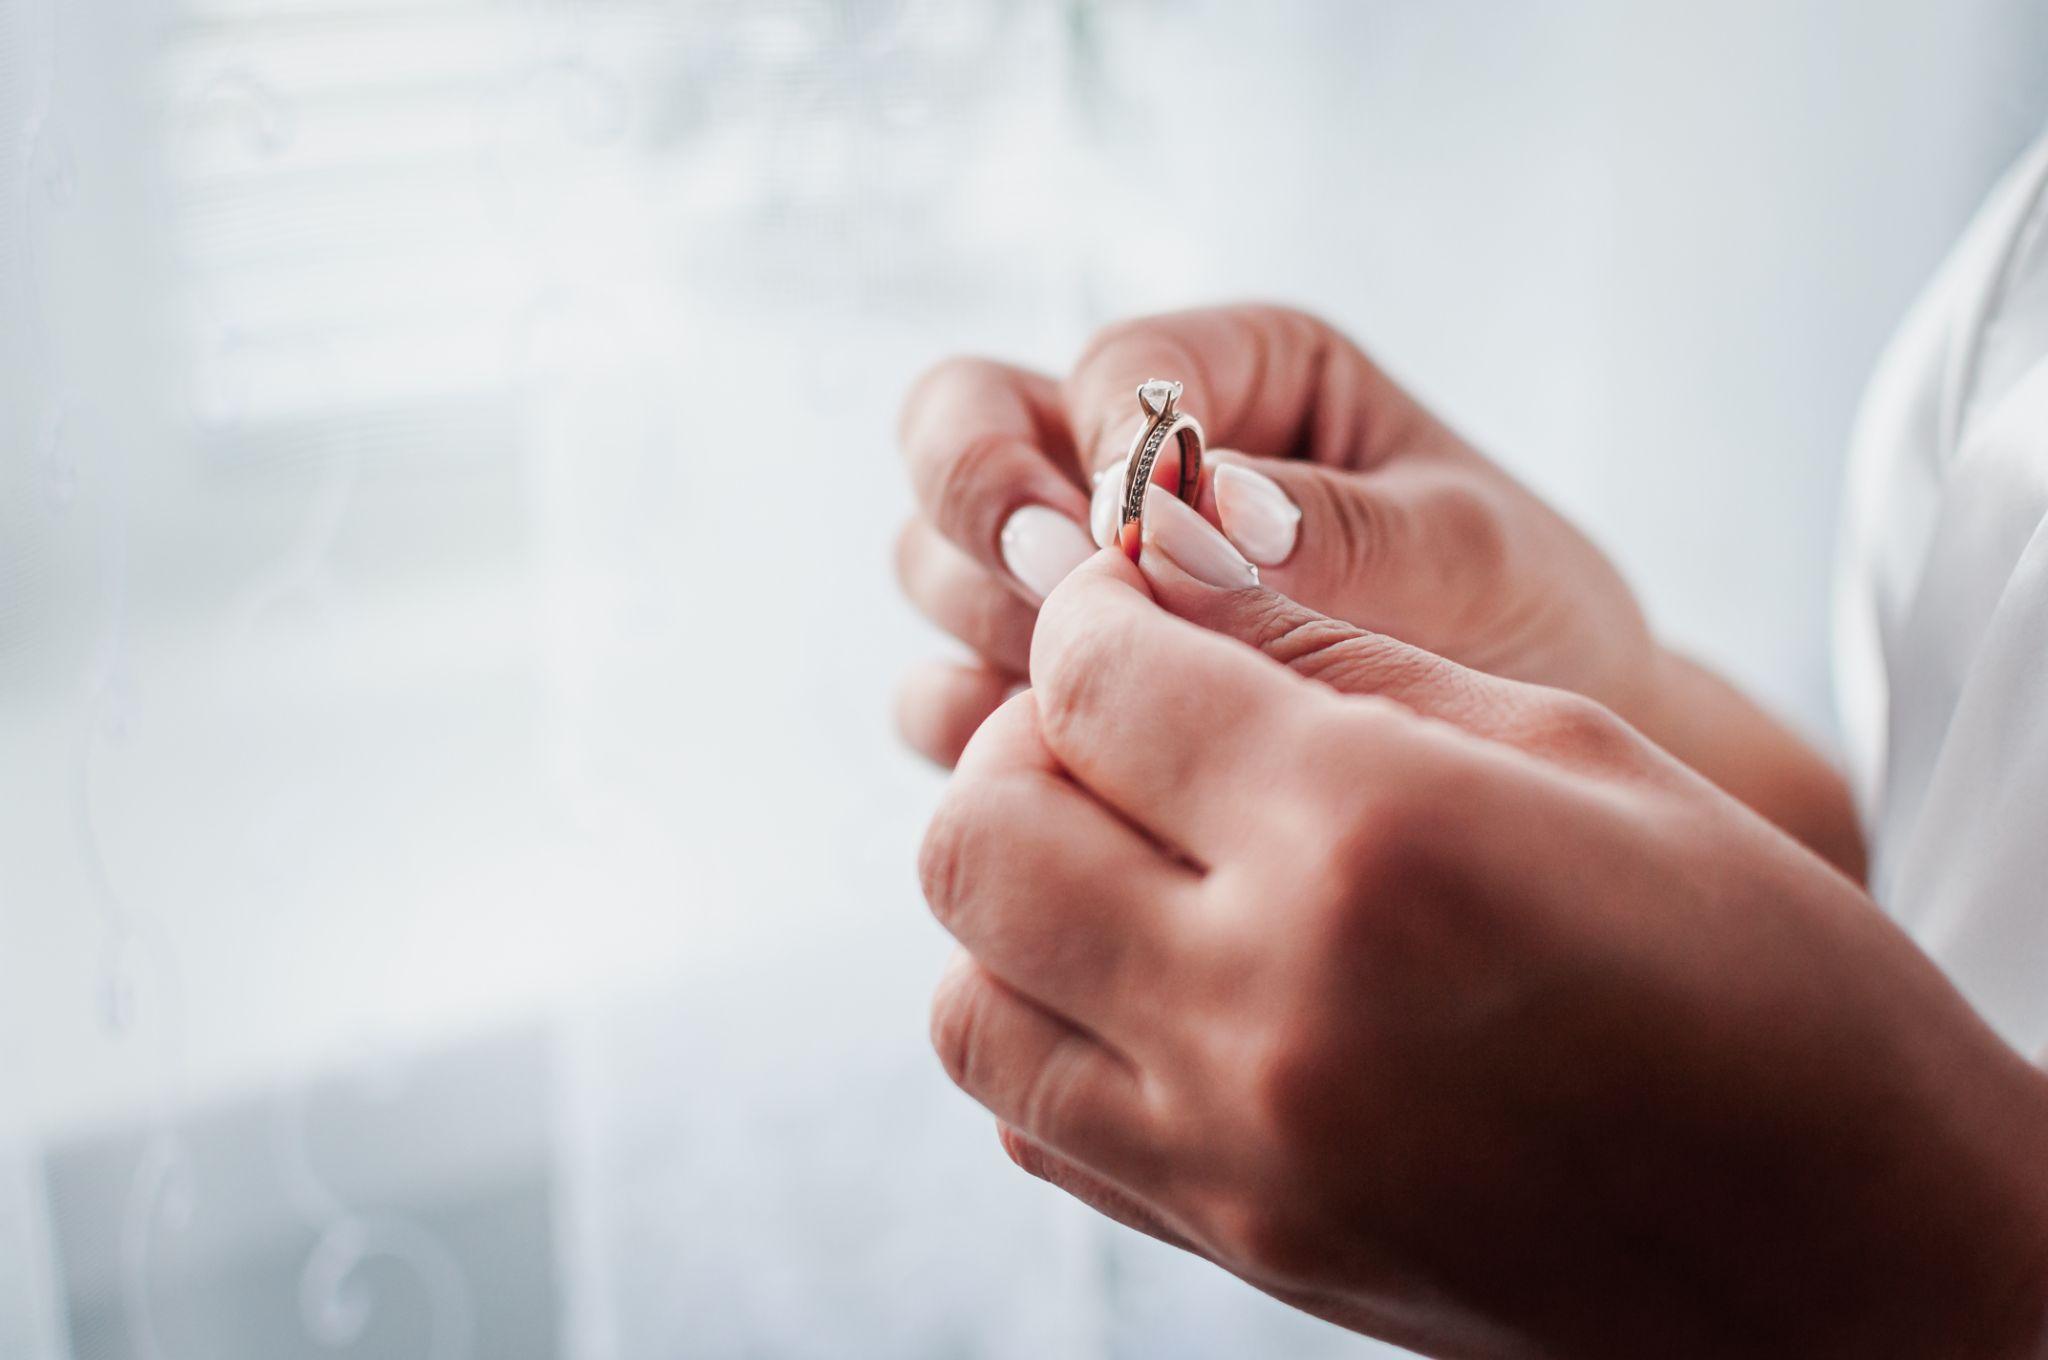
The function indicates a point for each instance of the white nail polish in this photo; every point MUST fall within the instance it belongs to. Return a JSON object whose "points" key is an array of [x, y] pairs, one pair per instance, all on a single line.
{"points": [[1173, 528], [1040, 546], [1102, 504], [1256, 513]]}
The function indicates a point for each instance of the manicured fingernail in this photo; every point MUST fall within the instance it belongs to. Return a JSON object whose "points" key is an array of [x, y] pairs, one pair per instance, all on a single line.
{"points": [[1257, 515], [1102, 504], [1173, 528], [1040, 546]]}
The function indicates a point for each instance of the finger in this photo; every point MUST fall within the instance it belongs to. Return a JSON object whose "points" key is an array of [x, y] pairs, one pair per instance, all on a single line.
{"points": [[1355, 661], [1039, 1074], [940, 704], [1049, 889], [1183, 732], [1114, 1202], [1309, 643], [961, 596], [1109, 1200], [1267, 379], [1412, 547], [984, 442]]}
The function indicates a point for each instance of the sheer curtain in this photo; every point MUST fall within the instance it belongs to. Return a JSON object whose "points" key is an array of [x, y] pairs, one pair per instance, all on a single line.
{"points": [[455, 874]]}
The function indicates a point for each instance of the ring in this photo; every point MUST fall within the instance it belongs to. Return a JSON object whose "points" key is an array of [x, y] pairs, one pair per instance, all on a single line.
{"points": [[1163, 420]]}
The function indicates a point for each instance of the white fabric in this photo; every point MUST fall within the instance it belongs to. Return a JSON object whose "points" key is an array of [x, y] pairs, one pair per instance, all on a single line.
{"points": [[1942, 631]]}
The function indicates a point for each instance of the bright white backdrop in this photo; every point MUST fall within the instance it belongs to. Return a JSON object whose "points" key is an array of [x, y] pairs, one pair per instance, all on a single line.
{"points": [[445, 628]]}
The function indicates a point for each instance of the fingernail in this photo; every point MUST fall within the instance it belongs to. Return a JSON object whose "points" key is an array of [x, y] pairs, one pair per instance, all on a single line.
{"points": [[1173, 528], [1102, 504], [1040, 546], [1257, 515]]}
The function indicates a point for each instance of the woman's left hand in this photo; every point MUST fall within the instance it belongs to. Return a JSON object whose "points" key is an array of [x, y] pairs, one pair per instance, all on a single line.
{"points": [[1449, 1008]]}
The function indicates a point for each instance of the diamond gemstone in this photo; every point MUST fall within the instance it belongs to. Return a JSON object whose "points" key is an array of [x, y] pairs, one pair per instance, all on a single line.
{"points": [[1155, 395]]}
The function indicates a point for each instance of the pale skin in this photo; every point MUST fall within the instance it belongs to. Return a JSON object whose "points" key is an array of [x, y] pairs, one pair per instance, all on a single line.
{"points": [[1412, 935]]}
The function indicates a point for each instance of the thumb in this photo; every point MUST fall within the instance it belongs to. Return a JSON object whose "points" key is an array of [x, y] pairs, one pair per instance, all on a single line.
{"points": [[1179, 561], [1412, 547]]}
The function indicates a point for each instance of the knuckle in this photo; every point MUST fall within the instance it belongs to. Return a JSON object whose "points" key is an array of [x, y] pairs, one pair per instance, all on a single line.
{"points": [[1362, 882], [1294, 636], [1471, 538], [1376, 717], [1363, 531], [1307, 1117], [1403, 669], [955, 1011], [1287, 1082], [1341, 655], [1573, 727], [1021, 1151], [1419, 769], [1051, 1104], [944, 860], [1379, 842], [1013, 726], [1366, 663], [1264, 1239], [1365, 851], [973, 831], [1387, 684]]}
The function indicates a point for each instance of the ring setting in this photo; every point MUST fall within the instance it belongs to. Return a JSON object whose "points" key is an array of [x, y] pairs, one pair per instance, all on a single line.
{"points": [[1159, 400]]}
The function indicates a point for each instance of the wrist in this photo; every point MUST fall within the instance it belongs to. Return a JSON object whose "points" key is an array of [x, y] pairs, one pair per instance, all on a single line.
{"points": [[2022, 1296], [1921, 1226], [1950, 1258], [1995, 1295], [1709, 725]]}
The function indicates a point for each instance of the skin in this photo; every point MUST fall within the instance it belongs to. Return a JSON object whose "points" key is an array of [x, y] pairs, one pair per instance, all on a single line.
{"points": [[1406, 530], [1449, 1006]]}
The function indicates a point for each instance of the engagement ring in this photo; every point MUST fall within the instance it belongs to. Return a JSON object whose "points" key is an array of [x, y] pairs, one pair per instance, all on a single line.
{"points": [[1163, 420]]}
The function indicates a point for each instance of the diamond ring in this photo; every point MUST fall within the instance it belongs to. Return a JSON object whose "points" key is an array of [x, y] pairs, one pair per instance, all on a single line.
{"points": [[1164, 420]]}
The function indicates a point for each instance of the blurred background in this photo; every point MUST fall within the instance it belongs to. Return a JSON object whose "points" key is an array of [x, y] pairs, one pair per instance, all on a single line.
{"points": [[456, 888]]}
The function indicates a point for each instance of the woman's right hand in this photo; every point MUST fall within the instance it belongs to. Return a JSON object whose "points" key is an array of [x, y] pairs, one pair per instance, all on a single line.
{"points": [[1352, 499], [1449, 1009]]}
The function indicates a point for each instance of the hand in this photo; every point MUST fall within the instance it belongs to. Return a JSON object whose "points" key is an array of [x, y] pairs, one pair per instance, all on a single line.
{"points": [[1374, 511], [1450, 1009], [1349, 496]]}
